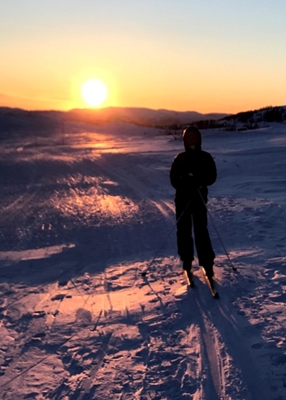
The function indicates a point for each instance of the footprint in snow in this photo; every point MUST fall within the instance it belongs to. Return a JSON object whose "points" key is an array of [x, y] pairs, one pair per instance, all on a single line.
{"points": [[83, 316], [58, 297], [280, 360], [155, 300], [256, 346]]}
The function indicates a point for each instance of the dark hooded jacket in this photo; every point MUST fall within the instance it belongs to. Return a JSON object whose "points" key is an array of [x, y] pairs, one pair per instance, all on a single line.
{"points": [[201, 165]]}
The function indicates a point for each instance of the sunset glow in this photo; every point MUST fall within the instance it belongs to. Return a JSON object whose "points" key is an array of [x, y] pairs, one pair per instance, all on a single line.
{"points": [[207, 62], [94, 92]]}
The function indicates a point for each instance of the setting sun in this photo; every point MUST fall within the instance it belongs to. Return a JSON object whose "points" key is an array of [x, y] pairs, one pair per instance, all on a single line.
{"points": [[94, 92]]}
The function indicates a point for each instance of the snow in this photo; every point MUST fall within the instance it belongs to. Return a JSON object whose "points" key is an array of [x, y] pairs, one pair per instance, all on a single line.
{"points": [[83, 215]]}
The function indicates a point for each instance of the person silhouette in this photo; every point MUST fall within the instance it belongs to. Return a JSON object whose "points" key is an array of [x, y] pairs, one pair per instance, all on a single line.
{"points": [[191, 173]]}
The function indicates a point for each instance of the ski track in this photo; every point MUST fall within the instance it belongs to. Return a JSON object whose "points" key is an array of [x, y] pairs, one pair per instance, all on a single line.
{"points": [[141, 189], [87, 329], [224, 343]]}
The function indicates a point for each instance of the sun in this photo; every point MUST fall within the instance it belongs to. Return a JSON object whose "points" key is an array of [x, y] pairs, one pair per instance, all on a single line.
{"points": [[94, 92]]}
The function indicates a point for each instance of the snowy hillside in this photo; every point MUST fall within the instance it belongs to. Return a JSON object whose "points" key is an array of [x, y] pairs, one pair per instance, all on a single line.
{"points": [[248, 120], [141, 116], [83, 214], [13, 119]]}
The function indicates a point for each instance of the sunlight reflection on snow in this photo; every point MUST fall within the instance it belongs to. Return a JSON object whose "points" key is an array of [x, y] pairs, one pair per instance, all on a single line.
{"points": [[278, 141], [33, 254], [127, 142], [85, 204]]}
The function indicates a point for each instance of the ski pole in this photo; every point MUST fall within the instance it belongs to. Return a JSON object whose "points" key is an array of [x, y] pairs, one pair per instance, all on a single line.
{"points": [[218, 235], [143, 273]]}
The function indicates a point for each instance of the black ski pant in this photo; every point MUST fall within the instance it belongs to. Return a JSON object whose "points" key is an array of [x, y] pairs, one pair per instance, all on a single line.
{"points": [[192, 218]]}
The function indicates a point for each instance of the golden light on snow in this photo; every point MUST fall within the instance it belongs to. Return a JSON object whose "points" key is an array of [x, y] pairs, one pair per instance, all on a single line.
{"points": [[94, 202], [94, 92]]}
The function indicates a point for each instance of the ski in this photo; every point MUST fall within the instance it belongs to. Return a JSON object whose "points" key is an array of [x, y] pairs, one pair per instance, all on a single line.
{"points": [[189, 278], [211, 285]]}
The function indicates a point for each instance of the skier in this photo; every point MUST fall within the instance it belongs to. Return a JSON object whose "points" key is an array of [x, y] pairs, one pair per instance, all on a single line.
{"points": [[191, 172]]}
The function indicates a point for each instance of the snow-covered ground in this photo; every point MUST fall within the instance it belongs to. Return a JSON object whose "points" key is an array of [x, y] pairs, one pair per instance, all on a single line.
{"points": [[82, 215]]}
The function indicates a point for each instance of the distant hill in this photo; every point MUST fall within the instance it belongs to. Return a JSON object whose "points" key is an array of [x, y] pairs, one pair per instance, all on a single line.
{"points": [[141, 116], [255, 119], [246, 120], [15, 119], [18, 120]]}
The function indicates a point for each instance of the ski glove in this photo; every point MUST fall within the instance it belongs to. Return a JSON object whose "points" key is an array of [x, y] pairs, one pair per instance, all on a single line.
{"points": [[190, 180], [194, 180]]}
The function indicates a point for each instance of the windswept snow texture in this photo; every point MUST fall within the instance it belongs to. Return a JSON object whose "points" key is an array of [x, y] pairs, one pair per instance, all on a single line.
{"points": [[81, 217]]}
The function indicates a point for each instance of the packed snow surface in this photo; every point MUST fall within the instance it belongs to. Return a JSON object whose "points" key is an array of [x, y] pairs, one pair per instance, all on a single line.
{"points": [[83, 214]]}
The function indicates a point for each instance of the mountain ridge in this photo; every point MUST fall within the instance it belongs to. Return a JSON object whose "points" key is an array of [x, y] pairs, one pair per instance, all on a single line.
{"points": [[12, 119], [15, 117]]}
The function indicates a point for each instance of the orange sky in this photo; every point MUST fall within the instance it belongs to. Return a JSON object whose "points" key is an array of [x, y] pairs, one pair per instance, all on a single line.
{"points": [[201, 56]]}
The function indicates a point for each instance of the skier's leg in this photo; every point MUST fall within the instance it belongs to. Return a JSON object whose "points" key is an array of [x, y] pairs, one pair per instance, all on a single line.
{"points": [[184, 234], [204, 248]]}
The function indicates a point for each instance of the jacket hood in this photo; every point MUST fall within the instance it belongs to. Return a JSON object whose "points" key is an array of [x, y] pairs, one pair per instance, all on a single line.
{"points": [[192, 136]]}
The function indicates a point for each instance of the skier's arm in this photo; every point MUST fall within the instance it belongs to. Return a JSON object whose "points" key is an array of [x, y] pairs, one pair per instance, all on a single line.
{"points": [[206, 174], [175, 176], [211, 172], [179, 176]]}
